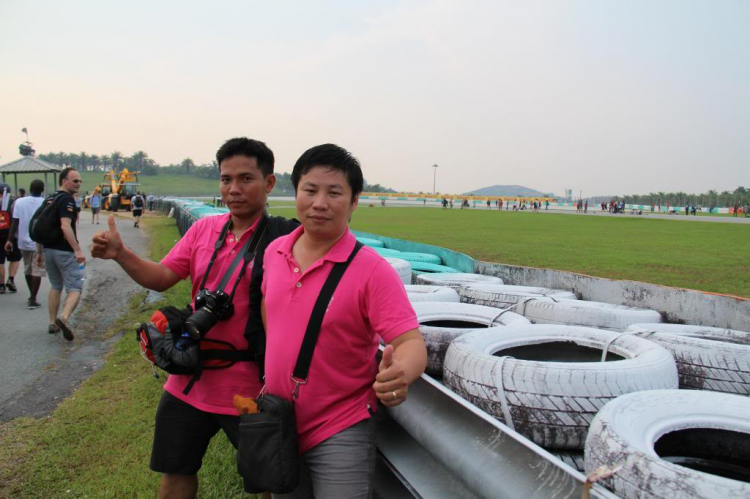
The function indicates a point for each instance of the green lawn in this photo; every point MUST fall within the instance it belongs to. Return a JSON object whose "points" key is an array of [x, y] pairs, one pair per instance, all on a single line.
{"points": [[97, 443], [697, 255]]}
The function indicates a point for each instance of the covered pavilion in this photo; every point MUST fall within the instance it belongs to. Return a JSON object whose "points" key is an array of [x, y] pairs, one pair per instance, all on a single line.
{"points": [[31, 164]]}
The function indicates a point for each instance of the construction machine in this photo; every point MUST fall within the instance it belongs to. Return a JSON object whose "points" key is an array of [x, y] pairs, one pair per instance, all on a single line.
{"points": [[117, 189]]}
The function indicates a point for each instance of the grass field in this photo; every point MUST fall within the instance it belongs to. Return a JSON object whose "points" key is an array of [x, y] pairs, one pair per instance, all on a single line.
{"points": [[696, 255], [97, 443]]}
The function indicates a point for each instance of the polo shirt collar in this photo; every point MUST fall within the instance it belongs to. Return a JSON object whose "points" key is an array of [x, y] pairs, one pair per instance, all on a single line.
{"points": [[338, 253], [220, 220]]}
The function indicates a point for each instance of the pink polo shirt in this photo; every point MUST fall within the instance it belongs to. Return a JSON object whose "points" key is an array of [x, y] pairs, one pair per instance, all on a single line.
{"points": [[369, 303], [189, 258]]}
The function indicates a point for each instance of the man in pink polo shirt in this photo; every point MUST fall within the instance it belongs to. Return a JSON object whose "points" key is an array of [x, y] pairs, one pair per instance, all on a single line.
{"points": [[345, 382], [186, 420]]}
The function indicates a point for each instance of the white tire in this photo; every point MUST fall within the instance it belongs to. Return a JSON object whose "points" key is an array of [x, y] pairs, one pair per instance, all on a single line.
{"points": [[573, 459], [584, 313], [418, 293], [632, 431], [708, 358], [455, 280], [552, 402], [505, 295], [402, 267], [441, 323]]}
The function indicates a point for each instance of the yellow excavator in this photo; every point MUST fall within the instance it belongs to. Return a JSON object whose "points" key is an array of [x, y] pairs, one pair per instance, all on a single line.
{"points": [[117, 189]]}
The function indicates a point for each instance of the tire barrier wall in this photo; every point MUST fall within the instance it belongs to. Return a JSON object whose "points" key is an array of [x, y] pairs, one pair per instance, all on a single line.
{"points": [[187, 211], [450, 258], [676, 305]]}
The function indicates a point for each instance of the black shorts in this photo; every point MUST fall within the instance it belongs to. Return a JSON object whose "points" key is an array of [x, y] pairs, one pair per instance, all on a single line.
{"points": [[13, 256], [182, 435], [137, 212]]}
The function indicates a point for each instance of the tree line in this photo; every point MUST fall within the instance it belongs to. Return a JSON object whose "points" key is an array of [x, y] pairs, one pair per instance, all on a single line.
{"points": [[740, 196], [140, 161]]}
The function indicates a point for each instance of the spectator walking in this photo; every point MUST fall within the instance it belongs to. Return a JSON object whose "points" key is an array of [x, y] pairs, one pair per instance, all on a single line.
{"points": [[95, 202], [137, 202], [13, 256], [151, 199], [64, 258], [33, 260]]}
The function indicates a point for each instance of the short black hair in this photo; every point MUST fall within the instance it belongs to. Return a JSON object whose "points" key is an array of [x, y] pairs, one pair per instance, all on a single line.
{"points": [[64, 173], [36, 187], [242, 146], [330, 156]]}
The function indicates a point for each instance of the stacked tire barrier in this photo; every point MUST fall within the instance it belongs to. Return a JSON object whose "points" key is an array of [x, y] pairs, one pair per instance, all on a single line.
{"points": [[187, 211], [609, 388]]}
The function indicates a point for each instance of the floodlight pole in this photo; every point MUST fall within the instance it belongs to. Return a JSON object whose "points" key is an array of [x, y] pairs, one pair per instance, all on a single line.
{"points": [[434, 179]]}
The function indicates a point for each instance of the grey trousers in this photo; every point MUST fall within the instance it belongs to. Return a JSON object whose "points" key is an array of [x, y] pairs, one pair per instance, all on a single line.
{"points": [[340, 467]]}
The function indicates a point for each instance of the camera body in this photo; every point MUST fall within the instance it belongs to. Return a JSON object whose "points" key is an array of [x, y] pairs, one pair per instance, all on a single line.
{"points": [[210, 308]]}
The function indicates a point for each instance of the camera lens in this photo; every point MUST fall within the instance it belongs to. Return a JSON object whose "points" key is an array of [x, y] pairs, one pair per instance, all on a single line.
{"points": [[200, 322]]}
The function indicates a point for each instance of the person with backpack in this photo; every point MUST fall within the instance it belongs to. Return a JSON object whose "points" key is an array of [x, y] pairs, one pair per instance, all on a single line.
{"points": [[13, 255], [33, 263], [192, 411], [137, 203], [63, 256]]}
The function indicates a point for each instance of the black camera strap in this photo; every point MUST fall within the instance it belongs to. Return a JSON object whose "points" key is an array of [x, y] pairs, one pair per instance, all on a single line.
{"points": [[246, 253], [302, 368]]}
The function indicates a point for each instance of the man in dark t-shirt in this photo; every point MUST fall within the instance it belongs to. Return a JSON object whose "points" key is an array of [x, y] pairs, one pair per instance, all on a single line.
{"points": [[64, 258]]}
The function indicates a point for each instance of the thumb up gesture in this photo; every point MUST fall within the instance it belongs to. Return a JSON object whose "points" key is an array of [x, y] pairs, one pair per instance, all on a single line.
{"points": [[107, 244], [391, 382]]}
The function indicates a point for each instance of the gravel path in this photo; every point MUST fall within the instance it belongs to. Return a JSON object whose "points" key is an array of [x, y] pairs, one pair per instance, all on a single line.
{"points": [[39, 369]]}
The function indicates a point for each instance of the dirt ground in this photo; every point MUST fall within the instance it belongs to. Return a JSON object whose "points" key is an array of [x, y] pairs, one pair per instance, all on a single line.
{"points": [[41, 369]]}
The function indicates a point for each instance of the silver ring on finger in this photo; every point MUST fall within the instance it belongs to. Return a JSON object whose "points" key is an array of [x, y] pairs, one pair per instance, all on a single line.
{"points": [[394, 395]]}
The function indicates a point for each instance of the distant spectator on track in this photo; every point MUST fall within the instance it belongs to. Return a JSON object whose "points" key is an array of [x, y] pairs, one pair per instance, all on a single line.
{"points": [[95, 202], [137, 203]]}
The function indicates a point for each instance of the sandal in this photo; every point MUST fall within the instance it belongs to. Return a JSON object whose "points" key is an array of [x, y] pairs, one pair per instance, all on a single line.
{"points": [[53, 329]]}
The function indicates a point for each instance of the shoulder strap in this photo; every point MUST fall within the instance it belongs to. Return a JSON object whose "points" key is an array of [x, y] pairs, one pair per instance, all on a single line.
{"points": [[316, 320]]}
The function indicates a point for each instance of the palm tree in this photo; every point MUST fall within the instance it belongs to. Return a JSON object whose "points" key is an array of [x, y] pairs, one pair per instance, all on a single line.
{"points": [[116, 158], [84, 160], [95, 161], [187, 165], [139, 159]]}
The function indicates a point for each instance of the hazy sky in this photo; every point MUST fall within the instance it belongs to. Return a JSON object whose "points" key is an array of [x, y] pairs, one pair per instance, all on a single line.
{"points": [[607, 97]]}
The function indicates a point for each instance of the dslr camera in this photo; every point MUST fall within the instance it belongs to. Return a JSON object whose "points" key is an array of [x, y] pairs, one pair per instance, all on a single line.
{"points": [[210, 308]]}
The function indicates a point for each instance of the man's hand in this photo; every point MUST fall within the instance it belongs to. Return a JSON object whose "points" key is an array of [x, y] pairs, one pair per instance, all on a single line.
{"points": [[80, 257], [8, 247], [391, 383], [107, 244]]}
